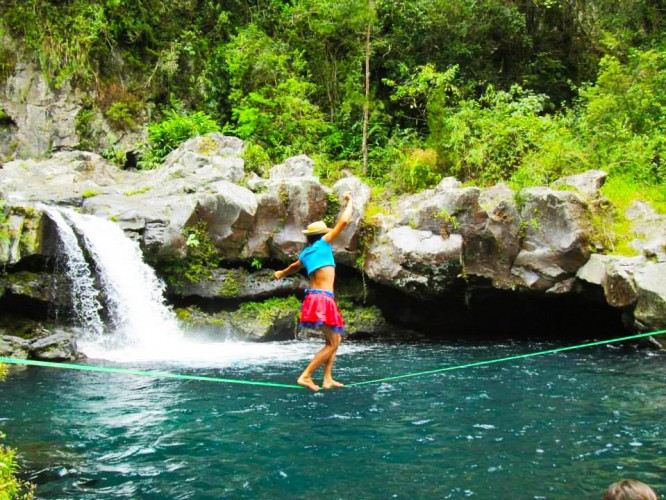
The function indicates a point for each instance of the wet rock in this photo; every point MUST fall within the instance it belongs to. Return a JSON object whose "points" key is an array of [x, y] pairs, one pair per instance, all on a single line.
{"points": [[59, 346], [24, 231], [37, 286], [274, 319], [14, 347]]}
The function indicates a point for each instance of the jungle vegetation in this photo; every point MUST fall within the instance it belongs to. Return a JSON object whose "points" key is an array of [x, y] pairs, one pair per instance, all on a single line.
{"points": [[401, 92]]}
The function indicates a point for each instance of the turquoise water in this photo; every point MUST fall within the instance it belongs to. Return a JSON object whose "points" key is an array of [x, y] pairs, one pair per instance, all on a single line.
{"points": [[555, 426]]}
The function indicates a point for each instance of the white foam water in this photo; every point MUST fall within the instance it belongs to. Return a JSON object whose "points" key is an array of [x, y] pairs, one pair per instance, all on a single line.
{"points": [[135, 295], [225, 354], [86, 305]]}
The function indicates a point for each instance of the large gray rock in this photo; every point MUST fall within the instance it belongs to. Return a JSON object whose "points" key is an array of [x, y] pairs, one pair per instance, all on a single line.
{"points": [[296, 166], [42, 118], [488, 221], [557, 228], [60, 346], [415, 261], [634, 284], [492, 248], [204, 160], [650, 311], [66, 178], [649, 227], [284, 209]]}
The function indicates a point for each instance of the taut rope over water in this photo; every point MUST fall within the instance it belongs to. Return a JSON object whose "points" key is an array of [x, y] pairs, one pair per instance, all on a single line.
{"points": [[156, 374]]}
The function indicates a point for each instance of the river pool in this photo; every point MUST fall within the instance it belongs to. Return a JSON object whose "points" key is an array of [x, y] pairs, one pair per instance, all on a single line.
{"points": [[554, 426]]}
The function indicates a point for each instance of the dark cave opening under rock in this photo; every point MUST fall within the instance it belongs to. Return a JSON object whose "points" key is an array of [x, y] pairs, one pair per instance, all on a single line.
{"points": [[503, 314]]}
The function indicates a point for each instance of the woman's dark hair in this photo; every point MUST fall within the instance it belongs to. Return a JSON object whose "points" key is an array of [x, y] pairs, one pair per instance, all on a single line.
{"points": [[313, 237]]}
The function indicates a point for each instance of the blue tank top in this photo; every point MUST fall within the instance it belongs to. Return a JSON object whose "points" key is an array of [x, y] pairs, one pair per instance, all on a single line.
{"points": [[316, 256]]}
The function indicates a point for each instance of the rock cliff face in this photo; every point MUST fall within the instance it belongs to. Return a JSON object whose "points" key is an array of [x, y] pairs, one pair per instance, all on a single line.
{"points": [[39, 119], [447, 241]]}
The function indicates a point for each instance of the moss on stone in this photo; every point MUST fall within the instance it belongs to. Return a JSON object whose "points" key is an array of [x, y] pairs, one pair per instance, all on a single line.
{"points": [[265, 312], [232, 283]]}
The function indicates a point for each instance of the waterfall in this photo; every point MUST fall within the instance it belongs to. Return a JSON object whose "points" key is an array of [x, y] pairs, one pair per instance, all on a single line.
{"points": [[86, 306], [134, 294], [142, 328]]}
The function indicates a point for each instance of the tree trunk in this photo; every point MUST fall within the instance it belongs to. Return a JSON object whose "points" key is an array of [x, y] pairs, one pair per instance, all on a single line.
{"points": [[366, 105]]}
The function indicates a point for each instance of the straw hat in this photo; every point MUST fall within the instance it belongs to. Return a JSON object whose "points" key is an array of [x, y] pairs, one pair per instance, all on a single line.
{"points": [[318, 227]]}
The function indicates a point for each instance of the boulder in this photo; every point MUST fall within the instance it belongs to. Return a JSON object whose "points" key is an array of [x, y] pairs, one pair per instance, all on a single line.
{"points": [[296, 166], [14, 347], [588, 183], [200, 161], [60, 346], [556, 231], [633, 283], [274, 319], [415, 261], [492, 248], [488, 221], [37, 286], [67, 178], [301, 201], [650, 311], [650, 230]]}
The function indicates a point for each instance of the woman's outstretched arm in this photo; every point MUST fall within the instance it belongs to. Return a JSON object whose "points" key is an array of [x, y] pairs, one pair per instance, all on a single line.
{"points": [[345, 217], [294, 267]]}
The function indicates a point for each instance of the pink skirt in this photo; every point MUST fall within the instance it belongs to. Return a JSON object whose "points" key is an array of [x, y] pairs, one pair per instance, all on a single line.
{"points": [[319, 308]]}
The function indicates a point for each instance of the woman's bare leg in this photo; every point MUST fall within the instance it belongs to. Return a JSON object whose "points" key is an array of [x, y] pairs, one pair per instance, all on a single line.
{"points": [[319, 359], [335, 340]]}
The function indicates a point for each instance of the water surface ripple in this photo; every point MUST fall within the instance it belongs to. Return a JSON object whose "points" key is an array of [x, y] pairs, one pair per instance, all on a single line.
{"points": [[555, 426]]}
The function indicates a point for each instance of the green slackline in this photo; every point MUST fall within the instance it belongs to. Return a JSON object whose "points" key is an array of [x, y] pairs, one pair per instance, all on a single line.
{"points": [[126, 371], [508, 358]]}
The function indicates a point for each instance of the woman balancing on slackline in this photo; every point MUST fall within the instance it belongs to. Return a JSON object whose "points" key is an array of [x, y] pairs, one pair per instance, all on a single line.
{"points": [[319, 308]]}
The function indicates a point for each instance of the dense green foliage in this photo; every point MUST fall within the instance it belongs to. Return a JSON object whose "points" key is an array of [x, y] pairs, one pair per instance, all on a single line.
{"points": [[168, 134], [486, 90]]}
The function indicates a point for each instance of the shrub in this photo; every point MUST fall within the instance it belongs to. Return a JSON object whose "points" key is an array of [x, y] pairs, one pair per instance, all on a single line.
{"points": [[487, 140], [167, 135], [420, 170], [256, 159]]}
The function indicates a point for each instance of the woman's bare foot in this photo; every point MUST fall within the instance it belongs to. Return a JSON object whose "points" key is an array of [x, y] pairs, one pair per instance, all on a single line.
{"points": [[307, 382], [330, 384]]}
